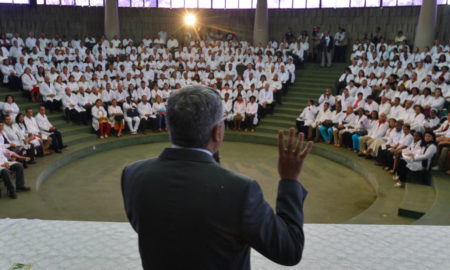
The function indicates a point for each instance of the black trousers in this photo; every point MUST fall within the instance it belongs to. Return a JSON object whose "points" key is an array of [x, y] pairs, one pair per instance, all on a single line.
{"points": [[53, 105], [7, 177], [263, 111], [277, 96], [15, 83], [150, 123], [57, 141], [301, 127], [386, 157], [347, 139], [248, 123], [75, 116]]}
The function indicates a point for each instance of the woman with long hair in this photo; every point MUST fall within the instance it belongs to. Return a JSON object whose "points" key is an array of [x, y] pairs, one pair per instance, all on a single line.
{"points": [[419, 160]]}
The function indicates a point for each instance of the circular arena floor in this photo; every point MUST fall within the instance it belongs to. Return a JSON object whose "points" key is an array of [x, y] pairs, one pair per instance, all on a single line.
{"points": [[89, 188]]}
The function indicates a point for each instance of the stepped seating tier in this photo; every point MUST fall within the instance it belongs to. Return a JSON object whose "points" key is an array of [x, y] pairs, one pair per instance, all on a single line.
{"points": [[310, 83]]}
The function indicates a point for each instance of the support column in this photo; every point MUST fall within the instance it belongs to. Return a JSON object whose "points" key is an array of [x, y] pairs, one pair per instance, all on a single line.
{"points": [[426, 26], [261, 26], [111, 18]]}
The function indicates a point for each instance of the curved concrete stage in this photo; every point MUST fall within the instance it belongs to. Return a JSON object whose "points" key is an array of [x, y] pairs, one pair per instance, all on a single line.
{"points": [[382, 211]]}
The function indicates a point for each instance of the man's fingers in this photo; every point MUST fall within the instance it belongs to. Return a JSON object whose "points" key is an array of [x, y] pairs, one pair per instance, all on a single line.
{"points": [[300, 138], [280, 142], [307, 149], [291, 139]]}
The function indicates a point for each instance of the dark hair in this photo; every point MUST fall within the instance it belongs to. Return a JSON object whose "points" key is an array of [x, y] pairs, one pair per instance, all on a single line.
{"points": [[6, 98], [18, 116]]}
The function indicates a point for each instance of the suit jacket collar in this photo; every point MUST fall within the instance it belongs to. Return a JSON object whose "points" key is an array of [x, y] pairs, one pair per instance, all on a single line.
{"points": [[186, 154]]}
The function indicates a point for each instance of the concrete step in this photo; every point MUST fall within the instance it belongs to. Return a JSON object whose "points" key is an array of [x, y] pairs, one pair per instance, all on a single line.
{"points": [[75, 129], [439, 213], [287, 110], [272, 121], [417, 200], [80, 138]]}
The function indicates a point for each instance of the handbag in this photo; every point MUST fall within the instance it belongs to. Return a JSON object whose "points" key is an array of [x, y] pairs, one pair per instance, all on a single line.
{"points": [[132, 112]]}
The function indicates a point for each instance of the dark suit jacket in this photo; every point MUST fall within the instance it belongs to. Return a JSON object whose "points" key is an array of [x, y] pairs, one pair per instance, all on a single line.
{"points": [[191, 213]]}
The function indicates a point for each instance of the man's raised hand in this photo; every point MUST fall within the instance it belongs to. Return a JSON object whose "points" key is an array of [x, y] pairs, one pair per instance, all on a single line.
{"points": [[290, 160]]}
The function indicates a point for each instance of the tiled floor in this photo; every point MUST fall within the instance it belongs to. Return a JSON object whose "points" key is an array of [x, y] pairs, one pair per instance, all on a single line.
{"points": [[76, 245]]}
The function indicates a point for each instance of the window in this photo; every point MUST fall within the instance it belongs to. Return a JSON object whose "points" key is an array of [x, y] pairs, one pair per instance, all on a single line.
{"points": [[358, 3], [313, 3], [218, 3], [299, 4], [246, 3], [82, 3], [149, 3], [404, 2], [177, 3], [191, 4], [373, 3], [335, 3], [96, 3], [124, 3], [232, 4], [389, 3], [285, 3], [204, 3]]}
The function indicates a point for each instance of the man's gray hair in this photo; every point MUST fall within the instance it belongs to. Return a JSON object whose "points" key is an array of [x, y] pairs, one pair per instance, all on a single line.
{"points": [[192, 113]]}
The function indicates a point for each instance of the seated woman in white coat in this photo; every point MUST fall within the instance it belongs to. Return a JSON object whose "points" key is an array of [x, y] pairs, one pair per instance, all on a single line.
{"points": [[116, 117], [238, 113], [251, 114], [10, 107], [100, 120], [51, 100], [307, 118], [131, 114], [72, 110], [30, 85], [420, 160], [227, 105], [160, 110]]}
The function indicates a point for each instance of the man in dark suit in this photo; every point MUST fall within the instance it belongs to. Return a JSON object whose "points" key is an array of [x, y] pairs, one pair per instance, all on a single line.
{"points": [[191, 213]]}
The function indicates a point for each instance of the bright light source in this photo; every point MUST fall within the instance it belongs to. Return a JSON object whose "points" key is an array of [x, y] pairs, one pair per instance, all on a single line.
{"points": [[189, 19]]}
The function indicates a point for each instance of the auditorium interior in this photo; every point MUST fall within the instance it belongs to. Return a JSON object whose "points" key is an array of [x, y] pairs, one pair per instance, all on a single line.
{"points": [[84, 86]]}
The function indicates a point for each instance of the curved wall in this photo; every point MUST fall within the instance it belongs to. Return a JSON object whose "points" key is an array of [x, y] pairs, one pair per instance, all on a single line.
{"points": [[138, 21]]}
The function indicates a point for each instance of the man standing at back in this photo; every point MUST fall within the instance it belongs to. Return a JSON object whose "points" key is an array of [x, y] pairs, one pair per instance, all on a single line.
{"points": [[191, 213]]}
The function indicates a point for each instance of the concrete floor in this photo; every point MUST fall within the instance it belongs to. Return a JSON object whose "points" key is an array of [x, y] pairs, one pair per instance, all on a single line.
{"points": [[336, 193]]}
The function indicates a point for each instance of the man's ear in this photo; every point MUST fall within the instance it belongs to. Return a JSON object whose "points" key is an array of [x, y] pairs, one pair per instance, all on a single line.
{"points": [[217, 133]]}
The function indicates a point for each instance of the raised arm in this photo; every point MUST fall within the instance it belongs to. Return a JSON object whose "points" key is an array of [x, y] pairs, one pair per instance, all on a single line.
{"points": [[279, 235]]}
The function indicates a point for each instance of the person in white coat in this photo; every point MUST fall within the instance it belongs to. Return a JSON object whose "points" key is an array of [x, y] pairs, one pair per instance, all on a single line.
{"points": [[73, 112], [239, 108], [34, 133], [116, 117], [420, 160], [30, 85], [51, 100], [266, 104], [251, 111], [10, 107], [227, 105], [100, 120], [45, 127], [131, 115], [16, 137], [147, 117], [160, 110], [307, 117], [377, 131]]}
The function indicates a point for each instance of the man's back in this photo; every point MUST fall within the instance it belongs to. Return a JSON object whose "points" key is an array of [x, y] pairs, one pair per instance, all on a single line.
{"points": [[191, 213]]}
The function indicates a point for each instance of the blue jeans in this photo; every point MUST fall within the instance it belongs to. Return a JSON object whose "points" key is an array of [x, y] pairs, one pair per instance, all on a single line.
{"points": [[355, 139], [161, 120], [326, 132]]}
